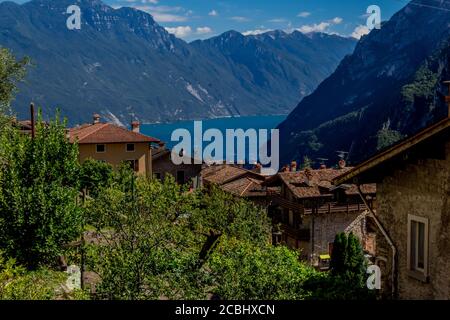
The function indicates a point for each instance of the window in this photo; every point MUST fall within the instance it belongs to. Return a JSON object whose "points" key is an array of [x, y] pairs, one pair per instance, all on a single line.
{"points": [[417, 255], [157, 175], [180, 177], [134, 165], [101, 148], [130, 147]]}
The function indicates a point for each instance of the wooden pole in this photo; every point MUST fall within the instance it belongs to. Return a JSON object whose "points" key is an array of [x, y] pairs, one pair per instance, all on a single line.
{"points": [[33, 126]]}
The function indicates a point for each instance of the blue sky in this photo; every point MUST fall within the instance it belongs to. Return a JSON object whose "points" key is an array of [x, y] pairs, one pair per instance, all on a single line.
{"points": [[198, 19]]}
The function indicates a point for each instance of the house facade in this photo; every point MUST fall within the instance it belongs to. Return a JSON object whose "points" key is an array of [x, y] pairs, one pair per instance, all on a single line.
{"points": [[114, 144], [310, 211], [413, 213], [185, 173]]}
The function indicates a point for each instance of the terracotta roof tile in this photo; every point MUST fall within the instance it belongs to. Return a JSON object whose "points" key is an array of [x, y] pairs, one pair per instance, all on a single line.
{"points": [[318, 183], [245, 187], [106, 133]]}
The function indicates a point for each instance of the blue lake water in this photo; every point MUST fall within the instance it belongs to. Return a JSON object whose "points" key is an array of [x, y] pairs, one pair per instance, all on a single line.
{"points": [[164, 131]]}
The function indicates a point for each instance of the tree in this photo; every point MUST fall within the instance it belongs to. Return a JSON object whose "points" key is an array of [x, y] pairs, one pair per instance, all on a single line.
{"points": [[95, 176], [339, 254], [348, 276], [242, 271], [11, 72], [38, 194], [160, 240], [142, 230]]}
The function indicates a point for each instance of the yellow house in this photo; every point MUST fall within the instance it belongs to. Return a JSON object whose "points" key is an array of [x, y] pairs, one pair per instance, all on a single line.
{"points": [[114, 144]]}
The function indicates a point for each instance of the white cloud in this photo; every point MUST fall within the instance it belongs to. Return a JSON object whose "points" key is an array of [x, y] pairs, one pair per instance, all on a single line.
{"points": [[317, 27], [360, 31], [180, 32], [203, 30], [304, 14], [277, 20], [240, 19], [255, 32], [320, 27], [164, 13], [166, 17], [337, 20], [213, 13]]}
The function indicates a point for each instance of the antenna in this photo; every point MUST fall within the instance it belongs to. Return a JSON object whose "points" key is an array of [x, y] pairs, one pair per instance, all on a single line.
{"points": [[342, 154]]}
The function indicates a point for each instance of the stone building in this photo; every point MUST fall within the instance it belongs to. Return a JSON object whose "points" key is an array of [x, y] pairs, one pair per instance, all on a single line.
{"points": [[310, 211], [412, 214]]}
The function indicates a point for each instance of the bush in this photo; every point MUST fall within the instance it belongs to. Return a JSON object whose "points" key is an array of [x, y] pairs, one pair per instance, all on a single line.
{"points": [[18, 284], [38, 194]]}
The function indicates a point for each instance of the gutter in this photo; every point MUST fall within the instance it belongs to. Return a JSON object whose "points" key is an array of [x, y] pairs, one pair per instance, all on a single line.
{"points": [[386, 236]]}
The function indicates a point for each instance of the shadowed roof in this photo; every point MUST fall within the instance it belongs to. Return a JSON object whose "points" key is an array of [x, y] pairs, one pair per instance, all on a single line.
{"points": [[315, 183]]}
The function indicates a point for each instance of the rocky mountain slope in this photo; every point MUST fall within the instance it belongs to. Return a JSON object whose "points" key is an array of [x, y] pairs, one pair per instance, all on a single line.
{"points": [[389, 88], [123, 65]]}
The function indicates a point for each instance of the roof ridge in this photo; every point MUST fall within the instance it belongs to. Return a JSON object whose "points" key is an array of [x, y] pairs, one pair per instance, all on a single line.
{"points": [[90, 133]]}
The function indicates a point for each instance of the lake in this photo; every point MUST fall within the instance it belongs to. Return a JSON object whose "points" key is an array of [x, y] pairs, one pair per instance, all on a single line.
{"points": [[164, 131]]}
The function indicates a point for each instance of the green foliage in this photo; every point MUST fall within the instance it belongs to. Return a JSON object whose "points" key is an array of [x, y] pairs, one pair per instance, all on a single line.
{"points": [[223, 213], [11, 71], [243, 271], [38, 191], [347, 278], [95, 176], [424, 85], [307, 163], [387, 137], [18, 284], [159, 240], [139, 225]]}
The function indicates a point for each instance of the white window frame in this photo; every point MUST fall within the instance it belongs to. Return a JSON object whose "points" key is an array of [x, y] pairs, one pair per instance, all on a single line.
{"points": [[100, 144], [416, 272]]}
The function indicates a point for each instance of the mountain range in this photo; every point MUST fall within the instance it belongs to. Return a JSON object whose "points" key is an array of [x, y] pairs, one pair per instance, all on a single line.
{"points": [[123, 65], [388, 89]]}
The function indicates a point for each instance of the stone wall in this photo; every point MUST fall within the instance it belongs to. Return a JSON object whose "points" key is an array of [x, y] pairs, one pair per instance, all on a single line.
{"points": [[422, 189], [327, 226]]}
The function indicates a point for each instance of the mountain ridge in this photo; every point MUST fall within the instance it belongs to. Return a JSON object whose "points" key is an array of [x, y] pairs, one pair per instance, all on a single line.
{"points": [[124, 65], [361, 104]]}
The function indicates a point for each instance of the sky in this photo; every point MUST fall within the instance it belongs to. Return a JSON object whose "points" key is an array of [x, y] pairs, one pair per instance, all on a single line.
{"points": [[200, 19]]}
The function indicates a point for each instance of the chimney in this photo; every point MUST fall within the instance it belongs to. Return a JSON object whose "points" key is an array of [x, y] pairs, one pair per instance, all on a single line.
{"points": [[135, 126], [342, 164], [447, 98], [161, 145], [257, 167], [96, 118], [308, 175], [294, 166]]}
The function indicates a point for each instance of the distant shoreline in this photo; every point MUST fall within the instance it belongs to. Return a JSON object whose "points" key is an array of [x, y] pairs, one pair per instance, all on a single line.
{"points": [[212, 119]]}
